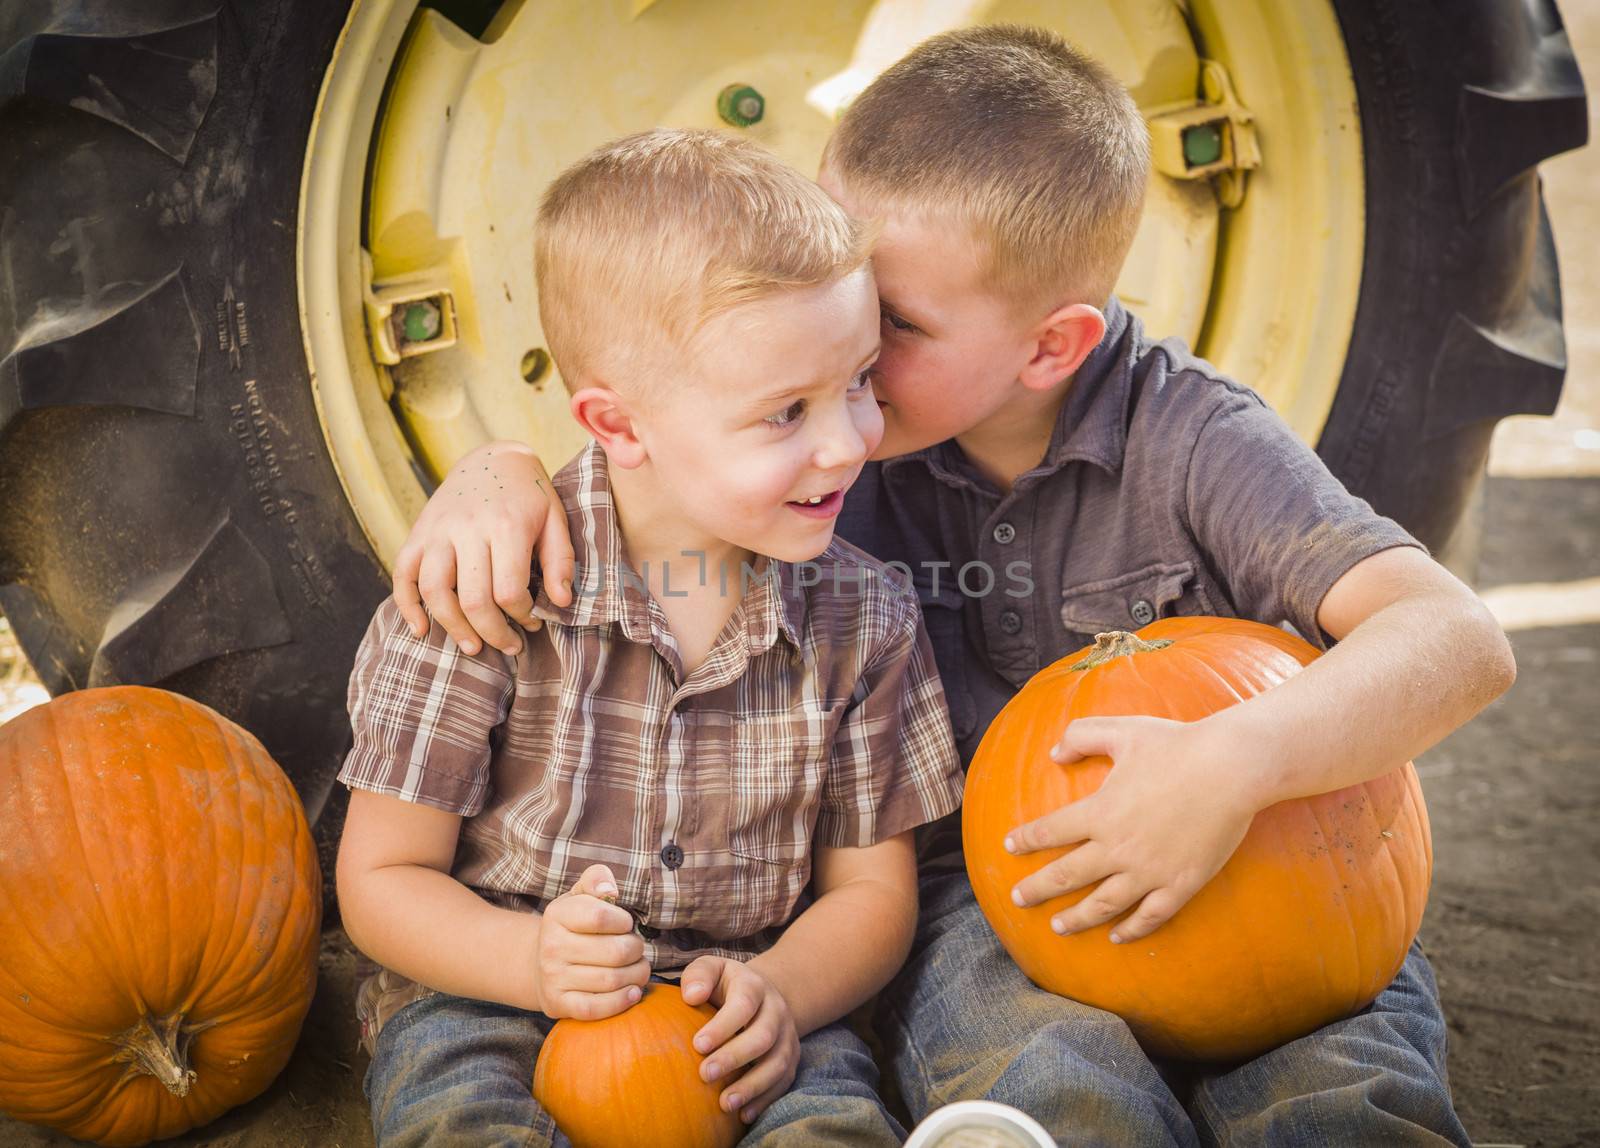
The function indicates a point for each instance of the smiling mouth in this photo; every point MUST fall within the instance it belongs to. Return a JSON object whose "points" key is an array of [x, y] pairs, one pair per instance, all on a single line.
{"points": [[821, 504]]}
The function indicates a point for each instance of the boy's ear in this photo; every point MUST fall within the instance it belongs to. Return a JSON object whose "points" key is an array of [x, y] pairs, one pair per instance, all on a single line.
{"points": [[606, 415], [1064, 341]]}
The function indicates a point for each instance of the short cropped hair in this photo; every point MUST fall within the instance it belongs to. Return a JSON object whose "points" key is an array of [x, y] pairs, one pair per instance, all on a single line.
{"points": [[647, 237], [1016, 134]]}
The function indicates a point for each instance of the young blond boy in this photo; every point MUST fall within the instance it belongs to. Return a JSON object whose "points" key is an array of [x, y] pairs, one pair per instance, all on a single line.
{"points": [[704, 730], [1029, 420]]}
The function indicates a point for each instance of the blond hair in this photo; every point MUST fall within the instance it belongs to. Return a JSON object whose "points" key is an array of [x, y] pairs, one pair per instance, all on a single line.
{"points": [[1014, 133], [644, 239]]}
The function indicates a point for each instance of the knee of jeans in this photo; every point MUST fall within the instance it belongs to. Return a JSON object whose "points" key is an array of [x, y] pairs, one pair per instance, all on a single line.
{"points": [[835, 1052]]}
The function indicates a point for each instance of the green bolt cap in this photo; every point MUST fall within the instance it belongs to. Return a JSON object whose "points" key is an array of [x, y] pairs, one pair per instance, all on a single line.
{"points": [[1202, 144], [422, 321], [740, 105]]}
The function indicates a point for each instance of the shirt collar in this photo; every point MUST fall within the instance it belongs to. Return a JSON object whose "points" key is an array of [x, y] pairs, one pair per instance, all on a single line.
{"points": [[775, 603], [1092, 423], [606, 588]]}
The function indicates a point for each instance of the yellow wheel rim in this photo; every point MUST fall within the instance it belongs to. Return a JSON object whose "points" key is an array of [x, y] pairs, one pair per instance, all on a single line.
{"points": [[430, 148]]}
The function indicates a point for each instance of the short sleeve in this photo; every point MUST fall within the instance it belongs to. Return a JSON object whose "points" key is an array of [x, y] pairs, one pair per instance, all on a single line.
{"points": [[422, 714], [893, 764], [1278, 529]]}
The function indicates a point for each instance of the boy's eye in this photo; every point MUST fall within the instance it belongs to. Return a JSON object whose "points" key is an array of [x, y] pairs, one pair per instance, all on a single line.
{"points": [[862, 381], [789, 414], [896, 322]]}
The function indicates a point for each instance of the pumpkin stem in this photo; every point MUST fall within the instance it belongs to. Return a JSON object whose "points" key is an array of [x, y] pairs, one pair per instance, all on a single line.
{"points": [[1117, 644], [159, 1048]]}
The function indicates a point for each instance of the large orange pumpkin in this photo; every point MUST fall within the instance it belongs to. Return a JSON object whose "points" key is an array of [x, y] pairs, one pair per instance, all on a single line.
{"points": [[160, 904], [1305, 924], [634, 1078]]}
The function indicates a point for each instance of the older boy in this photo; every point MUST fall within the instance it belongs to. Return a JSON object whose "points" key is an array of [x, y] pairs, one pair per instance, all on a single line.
{"points": [[1029, 421], [697, 751]]}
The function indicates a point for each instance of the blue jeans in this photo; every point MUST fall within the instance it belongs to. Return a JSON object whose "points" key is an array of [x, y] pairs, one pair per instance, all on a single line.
{"points": [[961, 1022], [451, 1071]]}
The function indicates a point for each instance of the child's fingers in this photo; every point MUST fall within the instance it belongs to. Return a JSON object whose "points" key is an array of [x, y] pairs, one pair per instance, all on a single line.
{"points": [[700, 979], [476, 593], [407, 565], [1080, 866], [555, 547], [436, 578], [1107, 901], [597, 881], [606, 978], [739, 1007], [744, 1048], [730, 1048], [1072, 822], [757, 1089], [591, 909], [510, 557], [1087, 737], [1153, 912], [765, 1059], [605, 950], [593, 928], [591, 1006]]}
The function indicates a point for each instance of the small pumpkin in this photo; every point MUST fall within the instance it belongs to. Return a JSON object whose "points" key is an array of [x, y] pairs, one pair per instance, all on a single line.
{"points": [[161, 905], [634, 1078], [1307, 922]]}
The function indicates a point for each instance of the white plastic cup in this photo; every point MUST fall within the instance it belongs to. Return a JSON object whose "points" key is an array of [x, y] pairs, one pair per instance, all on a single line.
{"points": [[979, 1124]]}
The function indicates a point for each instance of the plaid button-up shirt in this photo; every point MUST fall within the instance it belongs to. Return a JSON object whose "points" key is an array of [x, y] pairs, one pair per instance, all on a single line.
{"points": [[816, 717]]}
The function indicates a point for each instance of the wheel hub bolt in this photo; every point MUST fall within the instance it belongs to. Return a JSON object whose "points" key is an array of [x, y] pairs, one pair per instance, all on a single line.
{"points": [[1202, 144], [740, 105], [421, 321]]}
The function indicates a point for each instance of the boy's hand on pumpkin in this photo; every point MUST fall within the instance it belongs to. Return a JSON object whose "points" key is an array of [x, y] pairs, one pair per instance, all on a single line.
{"points": [[591, 961], [470, 551], [753, 1026], [1165, 820]]}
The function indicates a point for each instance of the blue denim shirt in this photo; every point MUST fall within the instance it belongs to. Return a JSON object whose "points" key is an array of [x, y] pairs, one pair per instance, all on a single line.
{"points": [[1167, 489]]}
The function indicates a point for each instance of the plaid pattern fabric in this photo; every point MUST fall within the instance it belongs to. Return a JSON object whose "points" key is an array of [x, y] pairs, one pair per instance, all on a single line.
{"points": [[817, 717]]}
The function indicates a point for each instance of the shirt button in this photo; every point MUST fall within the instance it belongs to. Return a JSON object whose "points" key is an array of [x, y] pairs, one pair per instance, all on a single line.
{"points": [[1004, 533], [1143, 613], [671, 855], [1010, 621]]}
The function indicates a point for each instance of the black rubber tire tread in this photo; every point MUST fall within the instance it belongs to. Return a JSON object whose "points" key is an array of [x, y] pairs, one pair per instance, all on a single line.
{"points": [[1459, 319], [169, 514]]}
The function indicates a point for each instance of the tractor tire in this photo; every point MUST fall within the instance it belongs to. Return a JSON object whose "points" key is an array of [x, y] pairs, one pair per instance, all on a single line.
{"points": [[169, 511], [1459, 319], [169, 514]]}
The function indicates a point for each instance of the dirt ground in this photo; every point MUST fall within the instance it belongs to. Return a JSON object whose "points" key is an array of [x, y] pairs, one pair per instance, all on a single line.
{"points": [[1511, 919]]}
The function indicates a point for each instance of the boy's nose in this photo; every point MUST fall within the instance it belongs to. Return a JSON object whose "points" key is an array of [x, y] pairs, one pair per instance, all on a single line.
{"points": [[842, 444]]}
